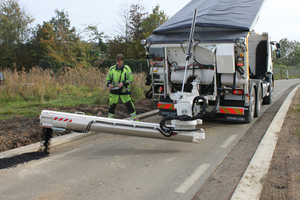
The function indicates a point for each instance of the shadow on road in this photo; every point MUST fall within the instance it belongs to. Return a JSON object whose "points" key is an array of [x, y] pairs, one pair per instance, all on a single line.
{"points": [[21, 159]]}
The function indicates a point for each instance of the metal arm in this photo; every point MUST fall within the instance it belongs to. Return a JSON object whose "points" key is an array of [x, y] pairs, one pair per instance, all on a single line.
{"points": [[188, 55]]}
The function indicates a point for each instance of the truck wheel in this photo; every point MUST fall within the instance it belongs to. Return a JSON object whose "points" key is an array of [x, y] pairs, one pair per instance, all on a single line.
{"points": [[252, 100], [268, 99], [258, 102]]}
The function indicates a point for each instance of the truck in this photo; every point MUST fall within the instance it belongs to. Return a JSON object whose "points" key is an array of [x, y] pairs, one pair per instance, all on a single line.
{"points": [[207, 60]]}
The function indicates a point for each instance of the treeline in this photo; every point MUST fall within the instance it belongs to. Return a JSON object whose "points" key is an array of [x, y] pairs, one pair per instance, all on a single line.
{"points": [[290, 53], [56, 45], [288, 66]]}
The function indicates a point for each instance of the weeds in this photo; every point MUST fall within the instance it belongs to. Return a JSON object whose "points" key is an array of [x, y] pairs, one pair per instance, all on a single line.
{"points": [[297, 133], [39, 88]]}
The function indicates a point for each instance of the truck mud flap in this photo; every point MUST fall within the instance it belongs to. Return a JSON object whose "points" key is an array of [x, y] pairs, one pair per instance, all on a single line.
{"points": [[164, 112], [237, 118]]}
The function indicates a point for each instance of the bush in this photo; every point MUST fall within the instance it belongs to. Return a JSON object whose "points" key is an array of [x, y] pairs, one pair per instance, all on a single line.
{"points": [[137, 66], [280, 72]]}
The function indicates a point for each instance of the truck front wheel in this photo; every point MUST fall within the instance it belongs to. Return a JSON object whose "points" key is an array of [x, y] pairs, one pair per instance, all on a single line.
{"points": [[268, 99], [258, 101]]}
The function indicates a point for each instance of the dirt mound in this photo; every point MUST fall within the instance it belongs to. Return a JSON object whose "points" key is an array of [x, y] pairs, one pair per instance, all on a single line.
{"points": [[21, 131]]}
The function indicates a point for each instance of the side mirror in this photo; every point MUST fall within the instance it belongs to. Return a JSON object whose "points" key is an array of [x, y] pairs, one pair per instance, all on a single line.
{"points": [[278, 53], [143, 42], [278, 45], [1, 78]]}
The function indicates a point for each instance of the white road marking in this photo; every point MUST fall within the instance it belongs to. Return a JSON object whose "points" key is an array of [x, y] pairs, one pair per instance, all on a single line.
{"points": [[278, 93], [170, 159], [228, 141], [190, 181]]}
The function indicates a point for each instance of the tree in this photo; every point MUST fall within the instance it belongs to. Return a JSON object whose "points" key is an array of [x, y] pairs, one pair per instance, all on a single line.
{"points": [[152, 21], [98, 49], [121, 31], [290, 53], [117, 45], [59, 44], [14, 32], [128, 43], [137, 15]]}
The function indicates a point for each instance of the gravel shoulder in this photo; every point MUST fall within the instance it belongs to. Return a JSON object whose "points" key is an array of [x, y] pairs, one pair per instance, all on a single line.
{"points": [[283, 179]]}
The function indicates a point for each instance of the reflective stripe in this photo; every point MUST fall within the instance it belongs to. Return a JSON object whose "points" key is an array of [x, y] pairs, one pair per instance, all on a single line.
{"points": [[236, 111], [166, 106], [110, 115], [133, 115]]}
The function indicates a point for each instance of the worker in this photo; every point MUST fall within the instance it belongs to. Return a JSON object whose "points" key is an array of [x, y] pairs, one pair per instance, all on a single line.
{"points": [[118, 80]]}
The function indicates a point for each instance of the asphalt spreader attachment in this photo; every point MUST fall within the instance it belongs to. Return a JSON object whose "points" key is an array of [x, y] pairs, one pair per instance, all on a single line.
{"points": [[46, 139], [183, 131]]}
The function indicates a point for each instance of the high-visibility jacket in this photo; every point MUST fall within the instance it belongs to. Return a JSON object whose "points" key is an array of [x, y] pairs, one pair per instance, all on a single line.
{"points": [[117, 75]]}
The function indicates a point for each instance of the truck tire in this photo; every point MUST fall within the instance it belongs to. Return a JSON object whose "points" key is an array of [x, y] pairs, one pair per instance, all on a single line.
{"points": [[251, 108], [258, 101], [268, 99]]}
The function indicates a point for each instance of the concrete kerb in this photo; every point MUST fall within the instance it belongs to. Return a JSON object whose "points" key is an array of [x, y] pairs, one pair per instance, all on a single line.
{"points": [[250, 186], [58, 140]]}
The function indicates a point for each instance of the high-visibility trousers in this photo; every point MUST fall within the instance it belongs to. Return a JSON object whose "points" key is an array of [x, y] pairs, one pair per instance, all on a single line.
{"points": [[126, 99]]}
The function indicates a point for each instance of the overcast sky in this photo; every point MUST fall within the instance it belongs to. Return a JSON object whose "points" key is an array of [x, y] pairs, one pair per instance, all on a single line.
{"points": [[278, 17]]}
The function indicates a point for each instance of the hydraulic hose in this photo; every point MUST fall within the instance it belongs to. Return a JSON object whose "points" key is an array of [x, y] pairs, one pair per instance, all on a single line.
{"points": [[217, 105], [169, 134], [170, 130]]}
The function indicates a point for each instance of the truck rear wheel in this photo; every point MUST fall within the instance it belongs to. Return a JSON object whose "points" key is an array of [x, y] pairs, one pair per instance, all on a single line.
{"points": [[251, 108], [268, 99]]}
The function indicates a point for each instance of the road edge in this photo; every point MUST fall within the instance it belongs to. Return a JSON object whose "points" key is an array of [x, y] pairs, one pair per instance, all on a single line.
{"points": [[250, 186]]}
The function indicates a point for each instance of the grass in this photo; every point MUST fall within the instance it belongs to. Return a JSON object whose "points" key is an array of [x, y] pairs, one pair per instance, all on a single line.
{"points": [[27, 93], [297, 133], [280, 72]]}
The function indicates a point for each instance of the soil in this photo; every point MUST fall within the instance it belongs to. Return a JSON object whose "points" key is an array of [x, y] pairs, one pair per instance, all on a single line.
{"points": [[283, 179], [281, 182], [21, 131]]}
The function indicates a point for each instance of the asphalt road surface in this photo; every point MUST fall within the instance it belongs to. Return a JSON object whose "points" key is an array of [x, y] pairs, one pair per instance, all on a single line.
{"points": [[104, 166]]}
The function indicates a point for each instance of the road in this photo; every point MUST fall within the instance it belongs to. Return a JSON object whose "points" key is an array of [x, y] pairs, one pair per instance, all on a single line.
{"points": [[104, 166]]}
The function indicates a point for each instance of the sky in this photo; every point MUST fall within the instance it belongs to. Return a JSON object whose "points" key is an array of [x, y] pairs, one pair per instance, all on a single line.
{"points": [[280, 18]]}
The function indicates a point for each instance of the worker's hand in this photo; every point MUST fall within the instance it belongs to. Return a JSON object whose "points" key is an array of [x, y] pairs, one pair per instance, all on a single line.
{"points": [[120, 85], [110, 86]]}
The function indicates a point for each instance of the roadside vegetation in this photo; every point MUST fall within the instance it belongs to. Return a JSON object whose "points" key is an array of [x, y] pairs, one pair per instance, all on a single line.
{"points": [[286, 72], [288, 66], [297, 112], [55, 65], [26, 93]]}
